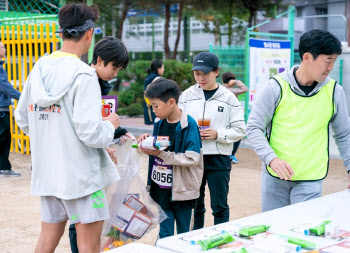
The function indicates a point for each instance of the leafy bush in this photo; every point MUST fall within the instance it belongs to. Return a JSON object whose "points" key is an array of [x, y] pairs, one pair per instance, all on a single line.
{"points": [[180, 72], [122, 110], [130, 99], [135, 109], [126, 97]]}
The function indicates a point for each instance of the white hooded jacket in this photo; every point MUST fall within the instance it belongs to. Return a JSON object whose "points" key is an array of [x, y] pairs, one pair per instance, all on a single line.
{"points": [[60, 108], [225, 113]]}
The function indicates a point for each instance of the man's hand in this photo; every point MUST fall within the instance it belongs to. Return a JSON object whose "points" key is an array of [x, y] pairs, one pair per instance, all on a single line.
{"points": [[111, 153], [282, 169], [142, 138], [209, 134], [150, 152], [113, 118]]}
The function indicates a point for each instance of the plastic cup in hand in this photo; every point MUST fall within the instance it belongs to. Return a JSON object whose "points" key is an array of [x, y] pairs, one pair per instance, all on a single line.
{"points": [[203, 123]]}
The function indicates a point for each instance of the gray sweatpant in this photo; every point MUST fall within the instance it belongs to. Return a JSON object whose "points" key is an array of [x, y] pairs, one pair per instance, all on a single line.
{"points": [[276, 193]]}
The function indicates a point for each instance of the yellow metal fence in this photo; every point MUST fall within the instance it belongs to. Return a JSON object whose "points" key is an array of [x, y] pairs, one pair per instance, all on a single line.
{"points": [[24, 45]]}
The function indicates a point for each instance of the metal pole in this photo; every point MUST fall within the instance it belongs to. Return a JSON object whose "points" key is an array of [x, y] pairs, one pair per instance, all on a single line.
{"points": [[246, 79], [291, 12], [91, 49], [341, 71]]}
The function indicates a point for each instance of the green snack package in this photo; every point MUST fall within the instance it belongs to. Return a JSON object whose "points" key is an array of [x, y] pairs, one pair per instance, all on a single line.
{"points": [[242, 250], [320, 229], [304, 244], [215, 240], [254, 230]]}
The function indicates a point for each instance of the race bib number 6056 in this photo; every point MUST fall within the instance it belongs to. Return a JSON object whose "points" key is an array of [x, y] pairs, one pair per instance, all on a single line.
{"points": [[162, 174]]}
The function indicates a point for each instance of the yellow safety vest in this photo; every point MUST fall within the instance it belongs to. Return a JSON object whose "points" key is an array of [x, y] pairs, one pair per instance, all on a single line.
{"points": [[299, 131]]}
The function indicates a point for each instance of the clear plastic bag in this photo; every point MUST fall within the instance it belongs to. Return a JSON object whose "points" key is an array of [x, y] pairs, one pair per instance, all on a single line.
{"points": [[133, 213]]}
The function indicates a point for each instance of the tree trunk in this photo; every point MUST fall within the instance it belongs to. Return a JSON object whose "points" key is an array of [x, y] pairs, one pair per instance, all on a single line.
{"points": [[178, 29], [230, 24], [124, 12], [251, 17], [166, 30], [217, 32], [114, 15]]}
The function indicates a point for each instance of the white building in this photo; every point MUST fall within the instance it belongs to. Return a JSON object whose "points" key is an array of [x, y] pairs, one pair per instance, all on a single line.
{"points": [[138, 37]]}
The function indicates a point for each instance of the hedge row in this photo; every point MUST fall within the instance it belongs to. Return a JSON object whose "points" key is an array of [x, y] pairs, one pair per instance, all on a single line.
{"points": [[130, 99]]}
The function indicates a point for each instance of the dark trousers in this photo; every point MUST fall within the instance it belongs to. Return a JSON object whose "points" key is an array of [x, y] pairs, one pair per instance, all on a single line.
{"points": [[235, 147], [218, 183], [5, 141], [73, 239], [182, 217]]}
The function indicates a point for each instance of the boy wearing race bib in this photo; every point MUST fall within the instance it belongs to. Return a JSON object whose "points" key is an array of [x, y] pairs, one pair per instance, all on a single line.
{"points": [[175, 174]]}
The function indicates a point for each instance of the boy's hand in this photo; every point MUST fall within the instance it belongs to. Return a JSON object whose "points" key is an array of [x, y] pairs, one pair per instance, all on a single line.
{"points": [[113, 118], [150, 152], [209, 134], [282, 169], [111, 153], [142, 137]]}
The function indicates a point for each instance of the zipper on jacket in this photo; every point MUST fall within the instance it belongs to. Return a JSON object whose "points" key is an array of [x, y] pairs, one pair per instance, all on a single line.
{"points": [[203, 112]]}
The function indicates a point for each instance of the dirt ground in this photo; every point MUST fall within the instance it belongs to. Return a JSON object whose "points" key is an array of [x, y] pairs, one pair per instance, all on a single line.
{"points": [[20, 211]]}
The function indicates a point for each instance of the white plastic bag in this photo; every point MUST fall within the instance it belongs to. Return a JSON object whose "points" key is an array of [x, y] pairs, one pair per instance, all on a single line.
{"points": [[133, 213]]}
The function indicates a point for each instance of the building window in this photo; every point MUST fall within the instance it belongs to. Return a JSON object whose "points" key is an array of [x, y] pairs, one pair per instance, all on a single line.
{"points": [[299, 11], [321, 11]]}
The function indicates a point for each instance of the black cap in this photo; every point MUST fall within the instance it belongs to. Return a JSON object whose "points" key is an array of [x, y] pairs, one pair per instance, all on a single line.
{"points": [[205, 62]]}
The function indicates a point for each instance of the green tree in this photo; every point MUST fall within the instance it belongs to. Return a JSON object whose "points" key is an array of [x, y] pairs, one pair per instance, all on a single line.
{"points": [[253, 6], [220, 13]]}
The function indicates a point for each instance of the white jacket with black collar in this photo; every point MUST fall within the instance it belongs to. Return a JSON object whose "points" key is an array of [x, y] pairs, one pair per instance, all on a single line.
{"points": [[225, 113]]}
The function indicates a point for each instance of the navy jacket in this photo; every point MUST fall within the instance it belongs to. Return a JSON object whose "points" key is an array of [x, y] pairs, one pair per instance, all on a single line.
{"points": [[187, 159], [6, 90], [149, 79]]}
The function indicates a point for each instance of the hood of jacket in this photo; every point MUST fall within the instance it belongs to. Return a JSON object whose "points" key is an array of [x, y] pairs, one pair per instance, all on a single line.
{"points": [[48, 87], [288, 76]]}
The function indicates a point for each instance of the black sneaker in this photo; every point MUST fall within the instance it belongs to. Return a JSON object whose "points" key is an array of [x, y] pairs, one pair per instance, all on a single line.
{"points": [[9, 173]]}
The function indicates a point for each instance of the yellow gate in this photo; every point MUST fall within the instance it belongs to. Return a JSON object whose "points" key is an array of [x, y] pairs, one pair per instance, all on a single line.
{"points": [[24, 45]]}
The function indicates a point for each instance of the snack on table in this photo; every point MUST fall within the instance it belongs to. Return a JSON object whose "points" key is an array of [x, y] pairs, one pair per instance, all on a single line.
{"points": [[254, 230], [303, 243], [320, 229], [215, 240]]}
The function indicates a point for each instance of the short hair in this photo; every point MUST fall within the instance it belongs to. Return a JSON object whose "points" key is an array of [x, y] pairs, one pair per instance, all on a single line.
{"points": [[163, 89], [227, 76], [111, 49], [318, 42], [71, 15], [155, 65]]}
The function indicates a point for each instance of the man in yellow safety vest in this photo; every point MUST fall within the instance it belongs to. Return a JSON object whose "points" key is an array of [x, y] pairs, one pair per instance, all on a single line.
{"points": [[289, 124]]}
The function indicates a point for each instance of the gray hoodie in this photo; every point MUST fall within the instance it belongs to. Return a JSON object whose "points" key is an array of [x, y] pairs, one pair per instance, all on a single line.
{"points": [[60, 108], [264, 107]]}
